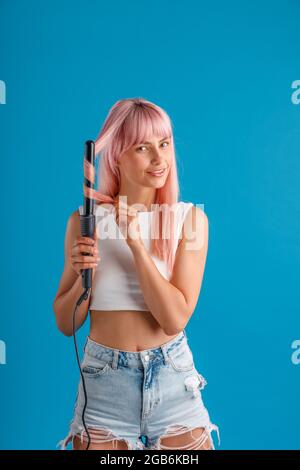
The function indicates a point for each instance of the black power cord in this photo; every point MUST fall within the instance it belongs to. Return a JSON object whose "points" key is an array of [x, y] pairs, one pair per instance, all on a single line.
{"points": [[83, 296], [87, 228]]}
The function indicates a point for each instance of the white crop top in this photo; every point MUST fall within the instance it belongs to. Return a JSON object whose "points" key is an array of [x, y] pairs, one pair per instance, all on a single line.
{"points": [[115, 284]]}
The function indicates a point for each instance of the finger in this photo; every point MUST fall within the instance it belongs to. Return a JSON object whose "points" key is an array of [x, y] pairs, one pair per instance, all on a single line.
{"points": [[127, 213], [83, 249], [85, 240], [86, 259], [122, 204], [128, 209], [78, 266]]}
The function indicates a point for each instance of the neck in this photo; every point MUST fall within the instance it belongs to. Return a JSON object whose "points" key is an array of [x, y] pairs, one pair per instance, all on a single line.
{"points": [[143, 198]]}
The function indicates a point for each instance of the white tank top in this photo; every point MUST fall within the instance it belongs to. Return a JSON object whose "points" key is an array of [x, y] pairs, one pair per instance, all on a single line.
{"points": [[116, 285]]}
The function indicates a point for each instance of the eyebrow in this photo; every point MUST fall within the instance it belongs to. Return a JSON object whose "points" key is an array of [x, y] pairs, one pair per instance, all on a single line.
{"points": [[165, 138]]}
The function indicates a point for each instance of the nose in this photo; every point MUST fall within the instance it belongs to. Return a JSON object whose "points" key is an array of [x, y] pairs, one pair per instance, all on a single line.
{"points": [[156, 158]]}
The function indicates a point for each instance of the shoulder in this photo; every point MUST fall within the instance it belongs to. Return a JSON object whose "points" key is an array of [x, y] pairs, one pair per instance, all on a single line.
{"points": [[198, 215], [195, 225], [73, 224], [194, 213], [74, 217]]}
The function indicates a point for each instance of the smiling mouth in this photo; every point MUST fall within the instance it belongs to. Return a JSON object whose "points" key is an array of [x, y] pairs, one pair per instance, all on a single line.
{"points": [[157, 172]]}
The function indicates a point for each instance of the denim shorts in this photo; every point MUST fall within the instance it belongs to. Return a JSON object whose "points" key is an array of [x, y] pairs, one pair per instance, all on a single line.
{"points": [[138, 395]]}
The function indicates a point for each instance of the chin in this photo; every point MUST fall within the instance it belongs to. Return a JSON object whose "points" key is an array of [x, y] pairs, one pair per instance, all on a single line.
{"points": [[159, 183], [155, 186]]}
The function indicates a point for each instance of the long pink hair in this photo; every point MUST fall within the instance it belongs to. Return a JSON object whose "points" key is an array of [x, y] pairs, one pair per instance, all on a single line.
{"points": [[130, 122]]}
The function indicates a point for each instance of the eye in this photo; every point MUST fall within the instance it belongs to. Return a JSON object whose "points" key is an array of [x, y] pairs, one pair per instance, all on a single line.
{"points": [[165, 142], [143, 146]]}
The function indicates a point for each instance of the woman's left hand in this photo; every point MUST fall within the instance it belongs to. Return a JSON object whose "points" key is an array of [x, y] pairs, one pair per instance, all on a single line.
{"points": [[127, 220]]}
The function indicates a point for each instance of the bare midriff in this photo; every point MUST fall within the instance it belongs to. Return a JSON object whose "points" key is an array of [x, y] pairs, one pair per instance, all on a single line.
{"points": [[127, 330]]}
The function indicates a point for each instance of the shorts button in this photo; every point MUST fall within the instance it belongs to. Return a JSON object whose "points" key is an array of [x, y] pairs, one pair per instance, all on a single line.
{"points": [[147, 357]]}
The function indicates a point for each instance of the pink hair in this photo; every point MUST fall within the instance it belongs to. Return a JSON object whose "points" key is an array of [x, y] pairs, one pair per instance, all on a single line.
{"points": [[130, 122]]}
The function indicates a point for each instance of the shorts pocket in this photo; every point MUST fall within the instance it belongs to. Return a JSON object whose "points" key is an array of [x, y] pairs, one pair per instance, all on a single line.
{"points": [[93, 367], [181, 359]]}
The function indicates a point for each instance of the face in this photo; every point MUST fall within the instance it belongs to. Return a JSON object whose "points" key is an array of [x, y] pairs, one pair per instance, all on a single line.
{"points": [[142, 164]]}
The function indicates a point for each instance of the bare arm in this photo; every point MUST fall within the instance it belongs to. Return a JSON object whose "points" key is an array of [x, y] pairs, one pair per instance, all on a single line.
{"points": [[70, 287], [173, 302]]}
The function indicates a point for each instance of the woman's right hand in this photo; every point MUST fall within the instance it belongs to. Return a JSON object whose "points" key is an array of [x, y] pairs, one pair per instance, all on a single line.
{"points": [[90, 259]]}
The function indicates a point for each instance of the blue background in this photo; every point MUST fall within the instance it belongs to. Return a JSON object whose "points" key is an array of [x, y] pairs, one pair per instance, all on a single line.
{"points": [[223, 72]]}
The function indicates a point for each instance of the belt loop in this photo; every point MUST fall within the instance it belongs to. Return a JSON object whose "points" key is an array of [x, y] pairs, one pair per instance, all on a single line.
{"points": [[85, 344], [165, 354], [114, 363]]}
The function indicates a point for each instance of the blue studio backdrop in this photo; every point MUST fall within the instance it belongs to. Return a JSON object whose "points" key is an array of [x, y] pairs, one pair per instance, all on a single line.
{"points": [[228, 75]]}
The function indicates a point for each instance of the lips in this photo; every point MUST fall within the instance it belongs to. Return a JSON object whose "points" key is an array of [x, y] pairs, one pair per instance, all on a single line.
{"points": [[160, 172]]}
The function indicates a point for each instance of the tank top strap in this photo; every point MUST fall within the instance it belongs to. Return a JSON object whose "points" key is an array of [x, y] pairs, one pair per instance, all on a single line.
{"points": [[181, 213]]}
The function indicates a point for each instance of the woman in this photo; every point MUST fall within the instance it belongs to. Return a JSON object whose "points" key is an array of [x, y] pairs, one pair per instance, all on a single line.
{"points": [[138, 369]]}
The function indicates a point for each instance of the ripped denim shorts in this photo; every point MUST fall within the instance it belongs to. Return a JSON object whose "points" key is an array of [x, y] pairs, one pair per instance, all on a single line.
{"points": [[151, 394]]}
